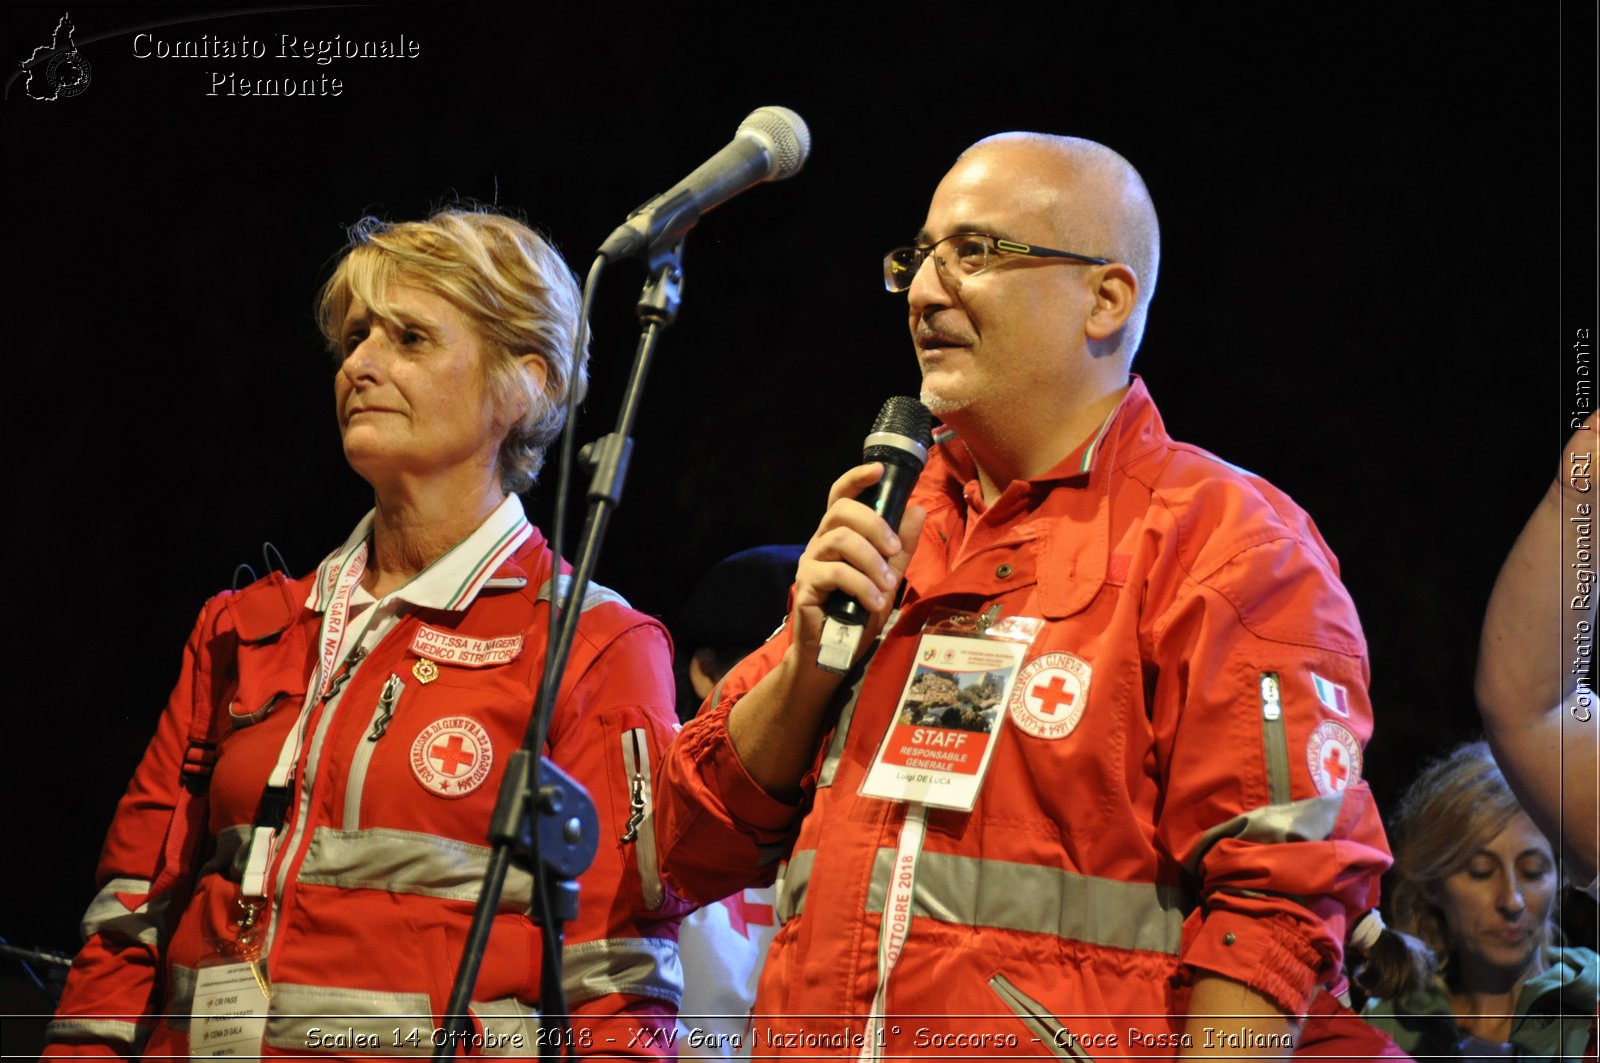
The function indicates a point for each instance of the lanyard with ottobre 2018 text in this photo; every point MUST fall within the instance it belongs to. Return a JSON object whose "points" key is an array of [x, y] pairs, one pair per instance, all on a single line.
{"points": [[937, 751]]}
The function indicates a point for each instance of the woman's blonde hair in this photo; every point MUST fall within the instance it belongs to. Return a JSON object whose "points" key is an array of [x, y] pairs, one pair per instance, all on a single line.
{"points": [[1455, 807], [512, 284]]}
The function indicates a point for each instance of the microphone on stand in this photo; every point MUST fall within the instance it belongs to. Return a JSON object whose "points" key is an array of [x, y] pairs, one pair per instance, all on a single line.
{"points": [[772, 143]]}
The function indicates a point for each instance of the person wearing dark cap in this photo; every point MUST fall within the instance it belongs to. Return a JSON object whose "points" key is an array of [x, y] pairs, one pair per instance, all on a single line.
{"points": [[735, 606]]}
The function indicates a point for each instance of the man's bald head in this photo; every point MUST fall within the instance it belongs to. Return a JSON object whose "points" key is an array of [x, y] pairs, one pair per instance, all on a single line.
{"points": [[1101, 206]]}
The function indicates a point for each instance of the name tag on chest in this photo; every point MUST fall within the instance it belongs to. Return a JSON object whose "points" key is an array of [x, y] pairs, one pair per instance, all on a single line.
{"points": [[446, 647], [230, 1012], [948, 720]]}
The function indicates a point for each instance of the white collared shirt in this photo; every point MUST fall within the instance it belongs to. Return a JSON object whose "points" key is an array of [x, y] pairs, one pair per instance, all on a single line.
{"points": [[451, 583]]}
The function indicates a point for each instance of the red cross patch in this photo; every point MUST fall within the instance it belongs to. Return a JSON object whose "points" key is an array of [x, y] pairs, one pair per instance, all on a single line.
{"points": [[452, 756], [1050, 695], [744, 913], [1333, 757]]}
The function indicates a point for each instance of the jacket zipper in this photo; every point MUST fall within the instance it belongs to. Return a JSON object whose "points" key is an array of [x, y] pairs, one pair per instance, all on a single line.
{"points": [[351, 663], [640, 829], [301, 784], [1052, 1034], [1274, 741], [388, 697], [382, 713]]}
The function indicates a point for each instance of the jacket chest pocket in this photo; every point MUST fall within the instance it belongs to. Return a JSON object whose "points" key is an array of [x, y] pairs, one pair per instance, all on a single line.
{"points": [[425, 756], [267, 678], [256, 711]]}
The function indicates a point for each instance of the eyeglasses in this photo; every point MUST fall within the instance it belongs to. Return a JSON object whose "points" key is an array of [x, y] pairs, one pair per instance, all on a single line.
{"points": [[965, 255]]}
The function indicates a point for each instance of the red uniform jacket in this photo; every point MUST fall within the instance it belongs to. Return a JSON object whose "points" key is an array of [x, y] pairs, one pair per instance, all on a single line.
{"points": [[380, 868], [1176, 787]]}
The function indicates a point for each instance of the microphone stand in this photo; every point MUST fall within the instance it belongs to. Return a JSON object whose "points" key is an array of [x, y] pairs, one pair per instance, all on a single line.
{"points": [[544, 821]]}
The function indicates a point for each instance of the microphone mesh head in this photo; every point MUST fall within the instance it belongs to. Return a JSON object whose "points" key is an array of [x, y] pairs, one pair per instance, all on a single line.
{"points": [[785, 133], [904, 416]]}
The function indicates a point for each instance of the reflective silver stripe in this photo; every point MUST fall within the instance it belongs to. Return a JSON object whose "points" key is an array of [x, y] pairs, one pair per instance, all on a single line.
{"points": [[594, 594], [792, 883], [1012, 896], [841, 730], [1310, 819], [388, 699], [505, 1017], [1039, 900], [305, 1018], [643, 967], [131, 1034], [646, 967], [231, 842], [146, 924], [1051, 1033], [302, 788], [510, 1028], [298, 1009], [182, 1000], [403, 861], [111, 919]]}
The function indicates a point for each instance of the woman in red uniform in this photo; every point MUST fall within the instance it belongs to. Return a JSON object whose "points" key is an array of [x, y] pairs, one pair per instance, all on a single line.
{"points": [[311, 892]]}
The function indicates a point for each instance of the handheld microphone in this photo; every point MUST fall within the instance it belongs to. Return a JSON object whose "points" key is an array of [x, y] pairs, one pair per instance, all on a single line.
{"points": [[900, 439], [771, 144]]}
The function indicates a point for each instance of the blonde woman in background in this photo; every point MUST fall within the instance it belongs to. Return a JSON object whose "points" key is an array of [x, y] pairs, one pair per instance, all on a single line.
{"points": [[1477, 883]]}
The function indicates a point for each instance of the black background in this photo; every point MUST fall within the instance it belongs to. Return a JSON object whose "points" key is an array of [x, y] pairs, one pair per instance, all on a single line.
{"points": [[1378, 245]]}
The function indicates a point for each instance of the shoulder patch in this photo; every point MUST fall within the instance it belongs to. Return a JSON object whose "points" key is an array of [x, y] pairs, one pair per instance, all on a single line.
{"points": [[1334, 697], [1333, 757]]}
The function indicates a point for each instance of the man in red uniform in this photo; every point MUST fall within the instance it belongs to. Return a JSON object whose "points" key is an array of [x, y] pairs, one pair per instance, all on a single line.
{"points": [[1169, 832]]}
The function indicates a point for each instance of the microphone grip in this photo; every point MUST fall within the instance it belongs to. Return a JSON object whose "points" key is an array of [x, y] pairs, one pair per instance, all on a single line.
{"points": [[887, 498]]}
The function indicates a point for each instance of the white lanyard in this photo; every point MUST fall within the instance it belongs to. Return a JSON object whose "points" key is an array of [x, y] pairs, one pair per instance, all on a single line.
{"points": [[896, 924], [338, 585]]}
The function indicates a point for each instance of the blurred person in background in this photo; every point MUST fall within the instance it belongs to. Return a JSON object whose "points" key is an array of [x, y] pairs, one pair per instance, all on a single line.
{"points": [[733, 609], [1476, 883]]}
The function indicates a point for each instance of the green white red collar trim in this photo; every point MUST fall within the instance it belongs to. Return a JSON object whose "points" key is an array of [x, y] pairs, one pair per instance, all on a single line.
{"points": [[455, 579]]}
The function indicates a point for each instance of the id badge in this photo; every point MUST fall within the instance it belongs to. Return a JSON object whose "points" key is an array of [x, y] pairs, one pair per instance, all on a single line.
{"points": [[229, 1014], [947, 723], [230, 1011]]}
